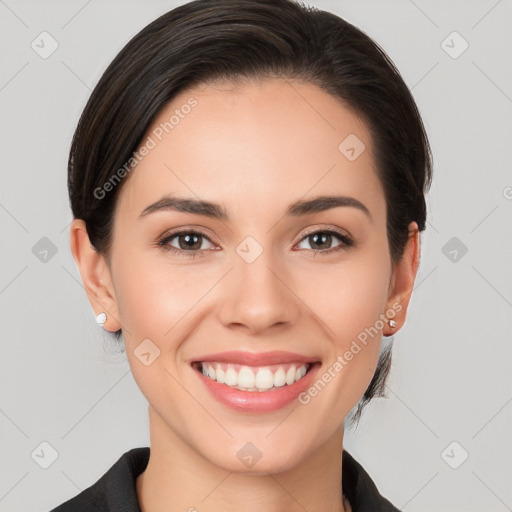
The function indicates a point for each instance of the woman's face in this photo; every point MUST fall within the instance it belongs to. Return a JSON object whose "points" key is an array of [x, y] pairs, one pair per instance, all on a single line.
{"points": [[263, 278]]}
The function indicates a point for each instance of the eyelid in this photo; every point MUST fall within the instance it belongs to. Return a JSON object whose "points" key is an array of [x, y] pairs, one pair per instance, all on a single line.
{"points": [[322, 228], [187, 230]]}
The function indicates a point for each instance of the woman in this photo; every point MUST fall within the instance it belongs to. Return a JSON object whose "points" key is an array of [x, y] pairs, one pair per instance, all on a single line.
{"points": [[247, 183]]}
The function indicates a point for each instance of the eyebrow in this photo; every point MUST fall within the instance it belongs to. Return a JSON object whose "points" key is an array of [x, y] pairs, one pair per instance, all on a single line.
{"points": [[216, 211]]}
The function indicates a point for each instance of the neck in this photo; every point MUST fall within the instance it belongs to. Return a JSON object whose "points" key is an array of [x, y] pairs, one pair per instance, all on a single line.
{"points": [[178, 478]]}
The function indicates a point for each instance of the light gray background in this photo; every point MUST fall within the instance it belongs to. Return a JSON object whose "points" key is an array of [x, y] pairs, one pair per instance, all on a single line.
{"points": [[61, 380]]}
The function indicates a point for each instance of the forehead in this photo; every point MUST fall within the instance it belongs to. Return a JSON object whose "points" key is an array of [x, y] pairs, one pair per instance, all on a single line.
{"points": [[269, 142]]}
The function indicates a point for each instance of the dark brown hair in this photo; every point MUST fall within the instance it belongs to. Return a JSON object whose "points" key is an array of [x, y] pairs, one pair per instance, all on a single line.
{"points": [[208, 40]]}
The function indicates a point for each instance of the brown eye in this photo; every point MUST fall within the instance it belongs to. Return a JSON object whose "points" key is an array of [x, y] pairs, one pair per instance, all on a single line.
{"points": [[187, 242], [190, 241], [322, 240]]}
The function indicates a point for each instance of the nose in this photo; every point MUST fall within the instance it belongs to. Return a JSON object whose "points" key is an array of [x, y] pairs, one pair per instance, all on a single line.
{"points": [[258, 296]]}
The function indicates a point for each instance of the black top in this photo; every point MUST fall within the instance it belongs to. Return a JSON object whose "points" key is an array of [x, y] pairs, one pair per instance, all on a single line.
{"points": [[115, 491]]}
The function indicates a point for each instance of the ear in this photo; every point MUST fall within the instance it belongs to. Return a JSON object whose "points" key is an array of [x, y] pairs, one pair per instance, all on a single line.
{"points": [[402, 279], [95, 274]]}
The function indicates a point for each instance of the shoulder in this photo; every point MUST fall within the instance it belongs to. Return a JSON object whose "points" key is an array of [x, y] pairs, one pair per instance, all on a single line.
{"points": [[360, 489], [115, 490]]}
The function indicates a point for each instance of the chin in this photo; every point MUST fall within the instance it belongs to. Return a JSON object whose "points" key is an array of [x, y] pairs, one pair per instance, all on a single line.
{"points": [[278, 462]]}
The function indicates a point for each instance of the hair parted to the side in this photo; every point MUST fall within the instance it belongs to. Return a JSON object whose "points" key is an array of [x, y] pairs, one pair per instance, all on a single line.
{"points": [[235, 40]]}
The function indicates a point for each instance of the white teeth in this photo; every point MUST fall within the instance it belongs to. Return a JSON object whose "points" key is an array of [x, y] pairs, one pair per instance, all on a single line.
{"points": [[279, 378], [290, 376], [246, 380], [219, 375], [264, 379], [300, 373], [231, 378]]}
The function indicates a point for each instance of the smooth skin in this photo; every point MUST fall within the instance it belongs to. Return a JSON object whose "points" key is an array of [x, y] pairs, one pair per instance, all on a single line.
{"points": [[254, 148]]}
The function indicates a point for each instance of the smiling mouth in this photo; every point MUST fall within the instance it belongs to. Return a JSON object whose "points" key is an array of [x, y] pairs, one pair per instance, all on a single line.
{"points": [[253, 378]]}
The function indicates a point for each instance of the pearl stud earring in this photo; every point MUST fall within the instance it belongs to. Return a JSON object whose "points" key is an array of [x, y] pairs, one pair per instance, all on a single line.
{"points": [[101, 318], [392, 324]]}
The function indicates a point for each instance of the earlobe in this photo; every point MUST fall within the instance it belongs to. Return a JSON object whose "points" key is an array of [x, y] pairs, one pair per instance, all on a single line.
{"points": [[403, 278], [95, 275]]}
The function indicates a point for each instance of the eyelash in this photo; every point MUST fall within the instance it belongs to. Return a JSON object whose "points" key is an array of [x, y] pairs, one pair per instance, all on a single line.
{"points": [[347, 242]]}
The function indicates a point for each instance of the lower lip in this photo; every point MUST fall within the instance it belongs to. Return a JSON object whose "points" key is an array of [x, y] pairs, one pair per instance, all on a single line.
{"points": [[258, 401]]}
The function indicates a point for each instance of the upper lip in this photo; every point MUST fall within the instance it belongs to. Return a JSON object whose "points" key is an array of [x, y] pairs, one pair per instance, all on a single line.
{"points": [[256, 359]]}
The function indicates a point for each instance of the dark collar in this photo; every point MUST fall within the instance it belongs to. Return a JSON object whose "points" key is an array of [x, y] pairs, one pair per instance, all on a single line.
{"points": [[360, 489], [115, 491]]}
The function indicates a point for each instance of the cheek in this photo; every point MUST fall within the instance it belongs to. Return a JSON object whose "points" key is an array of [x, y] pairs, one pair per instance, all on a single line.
{"points": [[153, 296], [361, 299], [153, 302], [348, 297], [159, 302], [352, 309]]}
